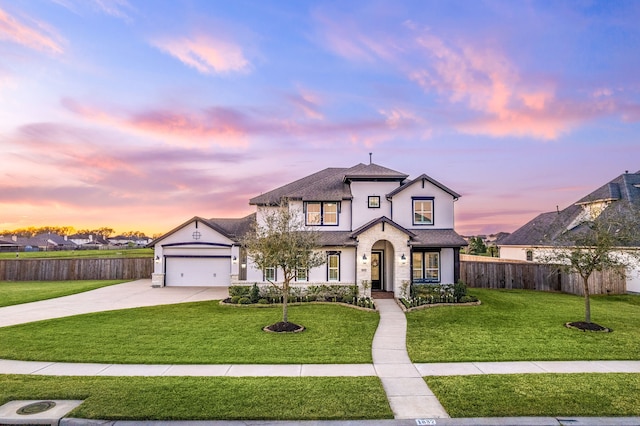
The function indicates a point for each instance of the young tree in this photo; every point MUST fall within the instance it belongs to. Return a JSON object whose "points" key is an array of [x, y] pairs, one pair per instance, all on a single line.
{"points": [[602, 240], [282, 241]]}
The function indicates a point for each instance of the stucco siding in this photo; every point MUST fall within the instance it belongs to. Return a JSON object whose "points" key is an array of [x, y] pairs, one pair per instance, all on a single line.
{"points": [[442, 206], [361, 192]]}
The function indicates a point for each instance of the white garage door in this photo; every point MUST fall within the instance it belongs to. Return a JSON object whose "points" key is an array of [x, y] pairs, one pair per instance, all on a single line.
{"points": [[198, 271]]}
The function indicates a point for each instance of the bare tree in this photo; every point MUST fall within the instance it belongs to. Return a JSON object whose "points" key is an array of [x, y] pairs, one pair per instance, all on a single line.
{"points": [[283, 241], [607, 238]]}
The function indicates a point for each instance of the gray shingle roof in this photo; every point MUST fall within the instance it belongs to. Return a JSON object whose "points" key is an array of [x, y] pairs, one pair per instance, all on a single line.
{"points": [[436, 238], [330, 184], [372, 172], [233, 229], [548, 227]]}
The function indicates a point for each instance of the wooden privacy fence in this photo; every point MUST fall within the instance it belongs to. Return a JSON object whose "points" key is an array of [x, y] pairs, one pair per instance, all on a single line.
{"points": [[536, 276], [75, 269]]}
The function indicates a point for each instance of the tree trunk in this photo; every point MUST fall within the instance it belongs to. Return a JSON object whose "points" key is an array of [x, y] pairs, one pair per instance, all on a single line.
{"points": [[285, 301], [587, 301]]}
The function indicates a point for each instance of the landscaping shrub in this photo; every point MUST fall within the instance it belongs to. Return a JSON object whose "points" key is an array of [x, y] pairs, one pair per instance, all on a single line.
{"points": [[239, 290], [264, 295], [425, 294], [254, 293]]}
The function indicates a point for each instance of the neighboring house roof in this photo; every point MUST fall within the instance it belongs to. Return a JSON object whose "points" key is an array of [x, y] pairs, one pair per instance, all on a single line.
{"points": [[330, 184], [547, 227], [421, 178]]}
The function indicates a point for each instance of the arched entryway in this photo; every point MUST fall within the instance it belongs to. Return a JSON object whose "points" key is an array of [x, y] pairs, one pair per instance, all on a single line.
{"points": [[382, 266]]}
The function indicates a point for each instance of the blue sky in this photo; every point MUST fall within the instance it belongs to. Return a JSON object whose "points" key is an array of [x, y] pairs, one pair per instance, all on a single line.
{"points": [[143, 114]]}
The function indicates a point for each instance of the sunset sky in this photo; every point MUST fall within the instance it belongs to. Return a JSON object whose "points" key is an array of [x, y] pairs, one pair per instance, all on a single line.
{"points": [[139, 115]]}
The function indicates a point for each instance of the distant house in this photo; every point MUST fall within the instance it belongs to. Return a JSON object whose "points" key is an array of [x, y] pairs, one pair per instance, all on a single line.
{"points": [[8, 244], [375, 226], [88, 241], [523, 243], [122, 240], [46, 241]]}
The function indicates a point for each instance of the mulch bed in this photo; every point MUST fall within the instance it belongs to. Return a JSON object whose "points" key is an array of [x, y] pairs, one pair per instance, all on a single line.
{"points": [[588, 326], [284, 327]]}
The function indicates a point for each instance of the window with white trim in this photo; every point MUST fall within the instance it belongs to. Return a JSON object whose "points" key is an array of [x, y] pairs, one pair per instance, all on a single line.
{"points": [[423, 211], [426, 267], [333, 267], [323, 213], [302, 274], [270, 273]]}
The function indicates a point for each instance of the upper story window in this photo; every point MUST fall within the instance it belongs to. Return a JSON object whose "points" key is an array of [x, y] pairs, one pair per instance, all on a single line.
{"points": [[321, 213], [423, 211], [374, 201]]}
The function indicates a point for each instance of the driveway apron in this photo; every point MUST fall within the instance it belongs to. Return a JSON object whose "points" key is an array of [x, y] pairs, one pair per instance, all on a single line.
{"points": [[408, 394], [134, 294]]}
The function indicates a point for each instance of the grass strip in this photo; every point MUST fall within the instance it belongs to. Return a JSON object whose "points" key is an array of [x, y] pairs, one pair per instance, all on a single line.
{"points": [[518, 325], [73, 254], [554, 395], [18, 292], [197, 333], [207, 398]]}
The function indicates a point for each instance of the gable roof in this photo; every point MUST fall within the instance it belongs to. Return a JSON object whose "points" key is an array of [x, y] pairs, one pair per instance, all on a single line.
{"points": [[420, 178], [382, 220], [213, 225], [549, 226], [330, 184]]}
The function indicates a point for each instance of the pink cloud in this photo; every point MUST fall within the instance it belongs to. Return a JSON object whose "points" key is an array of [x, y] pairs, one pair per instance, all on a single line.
{"points": [[308, 102], [37, 36], [205, 53], [231, 128]]}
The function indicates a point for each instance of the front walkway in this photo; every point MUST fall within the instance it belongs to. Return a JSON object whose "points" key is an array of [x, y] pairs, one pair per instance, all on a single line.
{"points": [[408, 394]]}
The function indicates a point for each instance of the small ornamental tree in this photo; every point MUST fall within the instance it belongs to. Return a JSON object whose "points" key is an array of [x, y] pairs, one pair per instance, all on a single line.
{"points": [[608, 239], [281, 240]]}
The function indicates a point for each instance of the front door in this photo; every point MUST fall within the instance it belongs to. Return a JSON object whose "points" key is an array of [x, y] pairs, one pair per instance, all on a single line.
{"points": [[377, 259]]}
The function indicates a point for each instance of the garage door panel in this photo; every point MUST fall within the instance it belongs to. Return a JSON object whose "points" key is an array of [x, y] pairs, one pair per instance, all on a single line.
{"points": [[198, 271]]}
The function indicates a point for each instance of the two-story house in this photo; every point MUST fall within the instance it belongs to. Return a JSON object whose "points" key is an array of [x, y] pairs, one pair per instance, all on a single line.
{"points": [[375, 226]]}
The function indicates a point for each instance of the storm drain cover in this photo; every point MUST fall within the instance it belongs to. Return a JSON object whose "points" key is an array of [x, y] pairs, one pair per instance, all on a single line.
{"points": [[36, 411], [36, 407]]}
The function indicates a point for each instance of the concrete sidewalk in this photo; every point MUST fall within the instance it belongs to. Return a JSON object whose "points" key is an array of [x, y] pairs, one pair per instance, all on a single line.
{"points": [[313, 370], [134, 294]]}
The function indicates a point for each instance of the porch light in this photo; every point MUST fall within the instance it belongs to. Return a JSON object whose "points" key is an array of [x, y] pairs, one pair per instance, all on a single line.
{"points": [[157, 259], [234, 260], [403, 259], [364, 259]]}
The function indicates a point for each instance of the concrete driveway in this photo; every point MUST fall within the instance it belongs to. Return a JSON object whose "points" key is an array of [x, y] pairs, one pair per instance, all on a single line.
{"points": [[133, 294]]}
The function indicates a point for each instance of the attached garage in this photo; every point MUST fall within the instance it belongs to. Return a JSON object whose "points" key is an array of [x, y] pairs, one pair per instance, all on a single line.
{"points": [[200, 271]]}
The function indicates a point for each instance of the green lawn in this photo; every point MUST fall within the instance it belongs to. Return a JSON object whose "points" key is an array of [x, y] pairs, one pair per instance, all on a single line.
{"points": [[72, 254], [513, 325], [17, 292], [197, 333], [207, 398], [554, 395]]}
